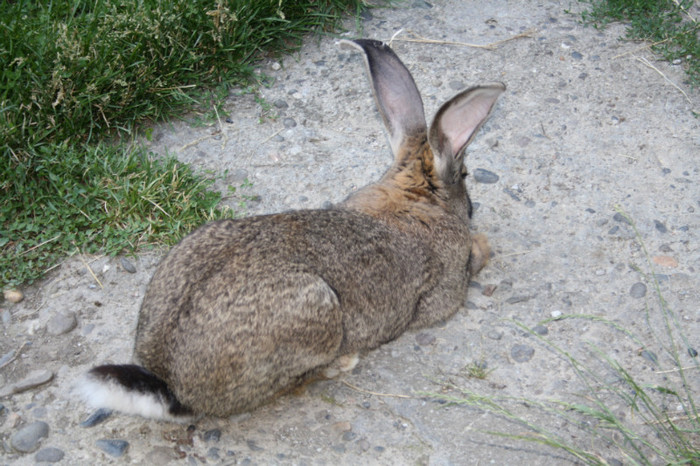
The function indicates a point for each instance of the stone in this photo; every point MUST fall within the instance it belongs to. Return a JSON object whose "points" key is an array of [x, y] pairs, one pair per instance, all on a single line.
{"points": [[665, 261], [638, 290], [98, 417], [618, 217], [27, 439], [660, 227], [522, 353], [13, 296], [495, 334], [281, 104], [127, 265], [49, 455], [540, 330], [484, 176], [213, 435], [425, 339], [61, 323], [112, 447], [650, 356]]}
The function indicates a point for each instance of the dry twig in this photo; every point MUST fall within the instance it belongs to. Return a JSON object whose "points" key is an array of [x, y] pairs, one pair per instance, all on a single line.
{"points": [[374, 393]]}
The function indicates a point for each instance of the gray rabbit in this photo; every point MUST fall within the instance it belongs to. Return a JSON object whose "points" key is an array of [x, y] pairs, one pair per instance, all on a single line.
{"points": [[241, 311]]}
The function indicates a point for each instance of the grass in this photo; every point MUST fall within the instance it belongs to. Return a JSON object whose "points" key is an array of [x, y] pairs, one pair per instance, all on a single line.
{"points": [[667, 24], [77, 78], [618, 418]]}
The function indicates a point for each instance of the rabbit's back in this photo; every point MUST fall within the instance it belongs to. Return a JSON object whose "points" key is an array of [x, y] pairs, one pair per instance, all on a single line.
{"points": [[240, 303]]}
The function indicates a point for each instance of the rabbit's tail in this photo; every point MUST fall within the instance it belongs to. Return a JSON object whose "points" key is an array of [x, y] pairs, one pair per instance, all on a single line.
{"points": [[131, 389]]}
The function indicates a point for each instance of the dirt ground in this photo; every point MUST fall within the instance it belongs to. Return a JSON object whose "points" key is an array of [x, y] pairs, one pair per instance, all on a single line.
{"points": [[588, 124]]}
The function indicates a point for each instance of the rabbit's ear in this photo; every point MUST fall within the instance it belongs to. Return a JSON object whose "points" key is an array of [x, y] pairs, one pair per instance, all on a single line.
{"points": [[458, 120], [394, 90]]}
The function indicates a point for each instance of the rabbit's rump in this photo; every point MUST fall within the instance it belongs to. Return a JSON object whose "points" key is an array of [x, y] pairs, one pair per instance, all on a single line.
{"points": [[242, 310]]}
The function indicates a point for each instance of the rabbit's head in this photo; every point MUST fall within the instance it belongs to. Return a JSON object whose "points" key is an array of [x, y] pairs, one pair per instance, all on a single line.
{"points": [[428, 162]]}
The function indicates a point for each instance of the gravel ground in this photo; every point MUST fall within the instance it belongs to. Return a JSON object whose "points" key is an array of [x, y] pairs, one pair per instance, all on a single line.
{"points": [[589, 124]]}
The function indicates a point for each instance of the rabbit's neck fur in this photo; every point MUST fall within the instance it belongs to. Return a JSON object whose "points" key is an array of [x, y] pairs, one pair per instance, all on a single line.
{"points": [[409, 190]]}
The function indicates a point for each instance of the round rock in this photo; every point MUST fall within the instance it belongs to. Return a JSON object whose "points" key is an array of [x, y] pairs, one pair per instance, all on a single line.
{"points": [[61, 323], [27, 439], [522, 353], [49, 455], [638, 290], [13, 296]]}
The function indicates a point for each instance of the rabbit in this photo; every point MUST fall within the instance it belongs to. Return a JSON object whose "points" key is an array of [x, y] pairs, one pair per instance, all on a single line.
{"points": [[242, 311]]}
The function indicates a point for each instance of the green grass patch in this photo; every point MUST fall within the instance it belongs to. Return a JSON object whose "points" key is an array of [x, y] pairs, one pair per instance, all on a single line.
{"points": [[622, 415], [97, 198], [77, 77], [667, 24]]}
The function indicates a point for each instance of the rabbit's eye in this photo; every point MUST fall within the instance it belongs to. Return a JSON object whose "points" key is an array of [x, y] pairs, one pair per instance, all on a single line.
{"points": [[463, 172]]}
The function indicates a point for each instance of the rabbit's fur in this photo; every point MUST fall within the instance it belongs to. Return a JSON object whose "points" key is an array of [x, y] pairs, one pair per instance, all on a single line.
{"points": [[243, 310]]}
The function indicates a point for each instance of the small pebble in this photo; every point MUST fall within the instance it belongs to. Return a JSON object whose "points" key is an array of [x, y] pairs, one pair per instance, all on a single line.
{"points": [[112, 447], [638, 290], [281, 104], [13, 296], [349, 436], [692, 353], [254, 446], [127, 265], [618, 217], [495, 334], [555, 314], [665, 261], [576, 55], [27, 439], [327, 205], [485, 176], [49, 455], [518, 299], [98, 417], [289, 123], [422, 4], [425, 339], [213, 453], [649, 356], [540, 330], [488, 290], [61, 323], [213, 435], [343, 426], [522, 353], [363, 444], [660, 227]]}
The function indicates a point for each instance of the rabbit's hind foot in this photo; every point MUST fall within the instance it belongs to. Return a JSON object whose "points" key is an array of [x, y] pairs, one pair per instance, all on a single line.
{"points": [[344, 363]]}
